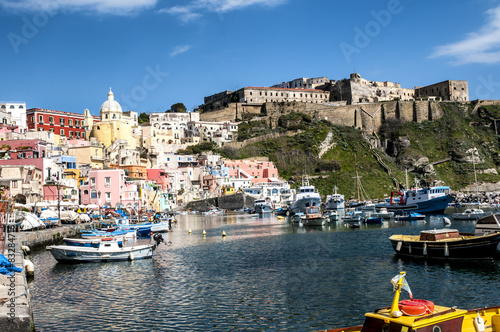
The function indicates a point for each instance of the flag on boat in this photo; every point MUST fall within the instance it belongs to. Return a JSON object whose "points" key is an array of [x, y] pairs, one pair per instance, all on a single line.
{"points": [[404, 285]]}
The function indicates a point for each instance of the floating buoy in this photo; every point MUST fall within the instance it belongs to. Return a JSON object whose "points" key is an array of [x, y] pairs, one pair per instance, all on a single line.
{"points": [[446, 221], [223, 233], [204, 233], [281, 217], [189, 231]]}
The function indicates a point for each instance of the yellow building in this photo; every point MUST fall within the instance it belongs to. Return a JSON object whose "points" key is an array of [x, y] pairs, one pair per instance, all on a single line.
{"points": [[114, 125], [92, 155]]}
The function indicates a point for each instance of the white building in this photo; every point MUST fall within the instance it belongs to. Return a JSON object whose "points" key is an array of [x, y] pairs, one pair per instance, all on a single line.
{"points": [[18, 112]]}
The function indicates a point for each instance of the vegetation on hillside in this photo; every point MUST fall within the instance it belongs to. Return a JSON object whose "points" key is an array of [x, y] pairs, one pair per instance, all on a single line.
{"points": [[450, 139]]}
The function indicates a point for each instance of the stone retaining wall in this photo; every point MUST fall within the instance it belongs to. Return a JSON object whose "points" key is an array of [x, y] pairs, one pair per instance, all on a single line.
{"points": [[229, 202]]}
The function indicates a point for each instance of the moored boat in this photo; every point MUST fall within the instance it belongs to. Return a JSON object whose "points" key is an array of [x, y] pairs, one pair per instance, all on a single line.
{"points": [[470, 214], [421, 200], [412, 216], [105, 251], [91, 242], [263, 205], [335, 202], [305, 197], [446, 244], [313, 217], [423, 315], [488, 224]]}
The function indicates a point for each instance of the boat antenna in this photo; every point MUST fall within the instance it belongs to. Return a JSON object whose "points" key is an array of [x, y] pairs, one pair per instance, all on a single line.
{"points": [[357, 176]]}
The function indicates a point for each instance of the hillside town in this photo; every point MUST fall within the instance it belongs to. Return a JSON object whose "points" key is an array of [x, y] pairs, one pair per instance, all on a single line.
{"points": [[114, 161]]}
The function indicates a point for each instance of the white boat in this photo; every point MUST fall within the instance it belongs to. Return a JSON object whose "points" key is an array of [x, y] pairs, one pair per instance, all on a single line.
{"points": [[160, 227], [305, 197], [335, 202], [332, 216], [470, 214], [104, 252], [263, 205], [383, 213]]}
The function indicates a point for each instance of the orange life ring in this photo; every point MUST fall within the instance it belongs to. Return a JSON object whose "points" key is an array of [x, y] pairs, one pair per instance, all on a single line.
{"points": [[416, 307]]}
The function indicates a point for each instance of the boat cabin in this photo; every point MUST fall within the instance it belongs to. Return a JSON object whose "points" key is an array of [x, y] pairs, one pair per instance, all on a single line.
{"points": [[488, 224], [439, 234]]}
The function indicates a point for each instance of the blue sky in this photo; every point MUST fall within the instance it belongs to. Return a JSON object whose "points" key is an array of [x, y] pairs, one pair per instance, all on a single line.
{"points": [[65, 54]]}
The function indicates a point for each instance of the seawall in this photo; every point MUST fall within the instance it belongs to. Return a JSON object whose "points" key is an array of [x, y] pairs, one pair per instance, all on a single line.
{"points": [[15, 308], [229, 202], [51, 235]]}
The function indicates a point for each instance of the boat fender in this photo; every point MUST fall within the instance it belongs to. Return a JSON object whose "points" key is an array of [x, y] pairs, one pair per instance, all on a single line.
{"points": [[131, 257], [416, 307], [29, 267], [479, 323], [26, 249]]}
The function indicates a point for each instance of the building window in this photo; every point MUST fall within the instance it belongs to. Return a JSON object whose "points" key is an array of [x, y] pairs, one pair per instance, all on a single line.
{"points": [[70, 122], [71, 134], [51, 120], [92, 182], [14, 184], [40, 119], [62, 121], [107, 181], [93, 193], [62, 132], [32, 119], [77, 123], [108, 197], [77, 134]]}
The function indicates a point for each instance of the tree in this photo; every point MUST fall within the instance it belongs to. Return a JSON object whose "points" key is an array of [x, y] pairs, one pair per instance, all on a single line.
{"points": [[177, 108], [143, 117]]}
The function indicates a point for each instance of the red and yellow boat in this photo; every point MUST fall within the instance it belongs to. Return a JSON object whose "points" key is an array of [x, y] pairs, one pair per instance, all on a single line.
{"points": [[423, 316]]}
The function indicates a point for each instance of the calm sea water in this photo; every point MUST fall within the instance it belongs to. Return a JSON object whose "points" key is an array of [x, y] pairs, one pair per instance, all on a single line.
{"points": [[266, 275]]}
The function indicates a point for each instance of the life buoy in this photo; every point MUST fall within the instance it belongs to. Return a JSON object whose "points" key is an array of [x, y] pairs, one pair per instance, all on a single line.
{"points": [[416, 307]]}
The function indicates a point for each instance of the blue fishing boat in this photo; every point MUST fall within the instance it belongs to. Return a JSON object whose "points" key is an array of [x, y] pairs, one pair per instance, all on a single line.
{"points": [[421, 200], [410, 217], [374, 220]]}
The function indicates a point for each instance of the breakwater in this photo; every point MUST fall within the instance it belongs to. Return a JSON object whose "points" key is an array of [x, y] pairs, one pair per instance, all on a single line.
{"points": [[229, 202]]}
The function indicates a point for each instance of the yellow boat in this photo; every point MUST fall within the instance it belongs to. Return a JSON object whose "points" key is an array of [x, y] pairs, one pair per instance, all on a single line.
{"points": [[424, 316]]}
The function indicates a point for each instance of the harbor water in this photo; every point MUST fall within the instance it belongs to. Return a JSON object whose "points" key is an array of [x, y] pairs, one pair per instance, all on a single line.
{"points": [[265, 275]]}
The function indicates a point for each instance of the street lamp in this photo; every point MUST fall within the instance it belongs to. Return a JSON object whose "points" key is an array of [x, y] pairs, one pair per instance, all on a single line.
{"points": [[99, 202]]}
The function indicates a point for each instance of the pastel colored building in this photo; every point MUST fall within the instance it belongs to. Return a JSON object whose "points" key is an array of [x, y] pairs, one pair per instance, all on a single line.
{"points": [[257, 171], [107, 188], [160, 177], [25, 148]]}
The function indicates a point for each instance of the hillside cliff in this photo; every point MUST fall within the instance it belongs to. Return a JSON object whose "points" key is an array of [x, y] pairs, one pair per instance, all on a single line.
{"points": [[446, 150]]}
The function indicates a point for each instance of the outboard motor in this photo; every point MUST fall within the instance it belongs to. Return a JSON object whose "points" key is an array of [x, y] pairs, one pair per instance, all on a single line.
{"points": [[158, 238]]}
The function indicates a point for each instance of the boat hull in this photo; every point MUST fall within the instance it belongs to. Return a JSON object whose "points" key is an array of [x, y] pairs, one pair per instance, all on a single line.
{"points": [[436, 205], [466, 247], [313, 222], [301, 205], [85, 254]]}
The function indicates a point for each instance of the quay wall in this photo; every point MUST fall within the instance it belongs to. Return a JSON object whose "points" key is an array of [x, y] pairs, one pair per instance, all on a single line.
{"points": [[229, 202], [15, 312], [39, 238]]}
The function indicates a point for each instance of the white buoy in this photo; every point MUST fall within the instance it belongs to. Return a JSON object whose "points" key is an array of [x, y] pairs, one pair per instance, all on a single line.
{"points": [[29, 267], [446, 221]]}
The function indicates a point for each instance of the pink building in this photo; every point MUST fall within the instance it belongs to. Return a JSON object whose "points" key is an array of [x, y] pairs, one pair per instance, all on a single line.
{"points": [[159, 176], [258, 171], [25, 148], [107, 188]]}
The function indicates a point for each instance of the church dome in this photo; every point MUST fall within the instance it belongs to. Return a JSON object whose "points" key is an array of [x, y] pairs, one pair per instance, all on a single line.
{"points": [[111, 105]]}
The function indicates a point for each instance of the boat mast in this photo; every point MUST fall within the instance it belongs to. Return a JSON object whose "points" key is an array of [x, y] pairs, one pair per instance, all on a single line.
{"points": [[357, 176], [475, 176]]}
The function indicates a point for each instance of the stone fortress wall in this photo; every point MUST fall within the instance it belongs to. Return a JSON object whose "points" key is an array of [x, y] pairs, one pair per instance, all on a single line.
{"points": [[367, 117]]}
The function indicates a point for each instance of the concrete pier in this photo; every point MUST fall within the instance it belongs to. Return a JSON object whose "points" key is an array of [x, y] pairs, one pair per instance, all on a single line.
{"points": [[15, 309], [52, 235]]}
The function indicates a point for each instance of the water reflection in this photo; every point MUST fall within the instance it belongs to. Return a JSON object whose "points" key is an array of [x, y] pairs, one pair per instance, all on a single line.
{"points": [[264, 275]]}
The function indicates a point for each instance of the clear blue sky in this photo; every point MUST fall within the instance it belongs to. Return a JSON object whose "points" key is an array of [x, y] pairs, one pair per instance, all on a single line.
{"points": [[65, 54]]}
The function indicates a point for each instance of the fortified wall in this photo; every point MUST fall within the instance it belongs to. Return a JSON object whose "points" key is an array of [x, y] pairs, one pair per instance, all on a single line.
{"points": [[367, 117]]}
